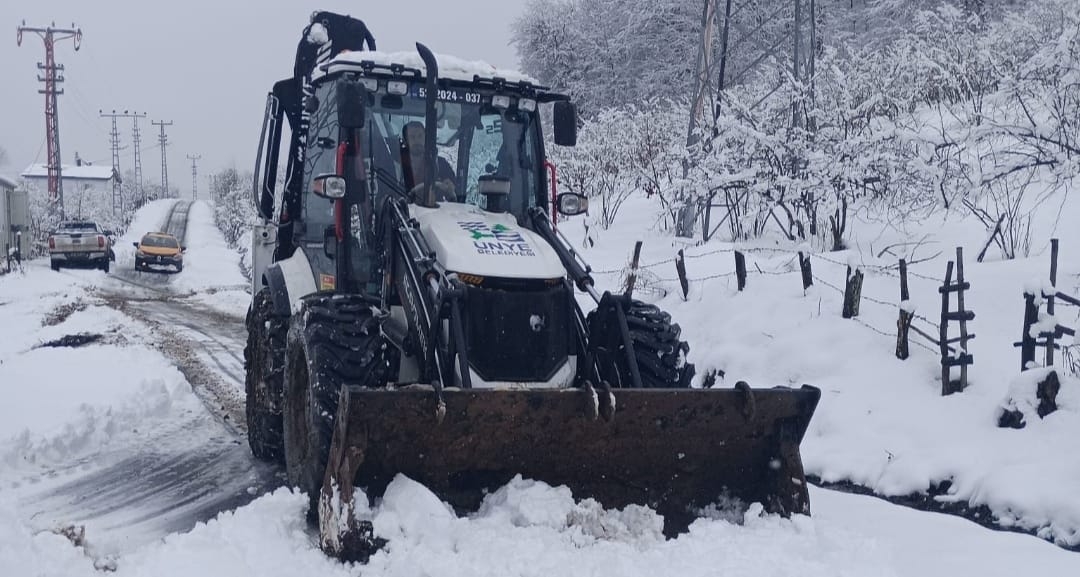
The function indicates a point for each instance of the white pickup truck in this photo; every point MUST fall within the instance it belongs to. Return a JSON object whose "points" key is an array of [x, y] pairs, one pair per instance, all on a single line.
{"points": [[79, 243]]}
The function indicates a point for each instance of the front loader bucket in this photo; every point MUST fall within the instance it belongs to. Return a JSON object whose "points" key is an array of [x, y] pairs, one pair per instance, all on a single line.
{"points": [[675, 450]]}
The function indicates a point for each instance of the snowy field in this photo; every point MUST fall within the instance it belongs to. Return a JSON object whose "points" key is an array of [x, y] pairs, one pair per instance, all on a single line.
{"points": [[114, 397], [882, 423]]}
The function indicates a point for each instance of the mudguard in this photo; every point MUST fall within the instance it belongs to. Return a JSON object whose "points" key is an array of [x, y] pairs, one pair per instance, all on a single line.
{"points": [[289, 280]]}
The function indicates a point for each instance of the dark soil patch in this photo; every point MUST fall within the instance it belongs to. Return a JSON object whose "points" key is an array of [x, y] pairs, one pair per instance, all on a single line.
{"points": [[74, 341], [62, 312]]}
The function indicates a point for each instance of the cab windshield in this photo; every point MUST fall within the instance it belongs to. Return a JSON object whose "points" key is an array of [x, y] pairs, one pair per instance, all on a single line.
{"points": [[474, 138], [160, 242]]}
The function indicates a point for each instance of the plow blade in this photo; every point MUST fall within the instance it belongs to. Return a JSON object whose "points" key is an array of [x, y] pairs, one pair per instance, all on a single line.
{"points": [[675, 450]]}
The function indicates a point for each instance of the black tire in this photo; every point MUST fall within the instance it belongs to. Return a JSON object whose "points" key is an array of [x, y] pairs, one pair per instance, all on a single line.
{"points": [[264, 364], [333, 340], [54, 265], [104, 266], [658, 352]]}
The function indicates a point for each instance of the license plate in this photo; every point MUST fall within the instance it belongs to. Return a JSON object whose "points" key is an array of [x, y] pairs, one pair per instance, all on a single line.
{"points": [[76, 241]]}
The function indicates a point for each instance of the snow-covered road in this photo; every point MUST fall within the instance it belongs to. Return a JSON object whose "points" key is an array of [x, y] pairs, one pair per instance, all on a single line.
{"points": [[182, 469]]}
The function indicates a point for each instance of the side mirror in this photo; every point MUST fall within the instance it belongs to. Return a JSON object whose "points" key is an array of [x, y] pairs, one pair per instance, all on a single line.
{"points": [[571, 204], [183, 249], [108, 233], [329, 186], [565, 123], [330, 242], [135, 244], [351, 101]]}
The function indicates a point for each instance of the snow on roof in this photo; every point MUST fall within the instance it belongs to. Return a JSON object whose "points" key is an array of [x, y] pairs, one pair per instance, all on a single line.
{"points": [[8, 182], [84, 172], [449, 66]]}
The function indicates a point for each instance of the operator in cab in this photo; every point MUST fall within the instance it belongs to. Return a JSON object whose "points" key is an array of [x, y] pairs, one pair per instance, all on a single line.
{"points": [[413, 165]]}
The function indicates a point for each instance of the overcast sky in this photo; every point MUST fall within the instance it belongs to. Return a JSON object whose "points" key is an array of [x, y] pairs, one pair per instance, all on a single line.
{"points": [[205, 65]]}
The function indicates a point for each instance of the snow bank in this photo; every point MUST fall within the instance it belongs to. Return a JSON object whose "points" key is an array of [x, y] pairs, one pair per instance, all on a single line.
{"points": [[882, 422], [212, 270], [850, 535]]}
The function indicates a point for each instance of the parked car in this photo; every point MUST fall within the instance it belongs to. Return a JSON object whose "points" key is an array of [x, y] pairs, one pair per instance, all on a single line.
{"points": [[159, 249], [79, 243]]}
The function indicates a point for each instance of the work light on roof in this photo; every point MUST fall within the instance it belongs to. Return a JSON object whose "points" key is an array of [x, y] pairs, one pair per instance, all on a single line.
{"points": [[527, 104], [500, 101], [371, 84], [398, 87]]}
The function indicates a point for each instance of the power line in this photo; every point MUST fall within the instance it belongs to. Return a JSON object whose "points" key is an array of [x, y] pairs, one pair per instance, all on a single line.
{"points": [[49, 35]]}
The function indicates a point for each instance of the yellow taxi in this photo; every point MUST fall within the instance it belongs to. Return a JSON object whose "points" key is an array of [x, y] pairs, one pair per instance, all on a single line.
{"points": [[159, 249]]}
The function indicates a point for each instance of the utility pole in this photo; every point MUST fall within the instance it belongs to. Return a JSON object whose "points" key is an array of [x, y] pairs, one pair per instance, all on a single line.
{"points": [[114, 140], [194, 175], [163, 141], [49, 36], [135, 116]]}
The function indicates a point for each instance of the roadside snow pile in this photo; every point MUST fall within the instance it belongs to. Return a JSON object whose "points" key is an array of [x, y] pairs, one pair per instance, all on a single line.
{"points": [[882, 422], [36, 296], [212, 269], [526, 535], [79, 401], [62, 401]]}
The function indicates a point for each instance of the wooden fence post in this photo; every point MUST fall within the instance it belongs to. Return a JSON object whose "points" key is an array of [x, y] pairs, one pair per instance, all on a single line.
{"points": [[852, 293], [631, 280], [903, 324], [1027, 342], [963, 317], [943, 341], [680, 267], [740, 269], [807, 273], [1050, 300]]}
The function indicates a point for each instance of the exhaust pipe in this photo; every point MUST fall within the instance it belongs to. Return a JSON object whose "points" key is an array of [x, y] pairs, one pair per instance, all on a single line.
{"points": [[430, 124]]}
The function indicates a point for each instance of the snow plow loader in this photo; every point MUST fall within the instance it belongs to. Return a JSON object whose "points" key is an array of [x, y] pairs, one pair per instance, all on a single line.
{"points": [[416, 311]]}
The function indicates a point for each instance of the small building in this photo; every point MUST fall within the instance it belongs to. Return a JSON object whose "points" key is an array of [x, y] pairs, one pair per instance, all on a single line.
{"points": [[14, 218], [80, 177]]}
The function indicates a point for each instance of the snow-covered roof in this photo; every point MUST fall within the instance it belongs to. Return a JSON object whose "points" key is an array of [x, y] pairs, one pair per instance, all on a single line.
{"points": [[84, 172], [8, 182], [449, 66]]}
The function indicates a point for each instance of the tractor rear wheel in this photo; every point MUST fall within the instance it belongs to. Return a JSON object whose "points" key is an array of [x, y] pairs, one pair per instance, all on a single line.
{"points": [[264, 361], [658, 352], [334, 340]]}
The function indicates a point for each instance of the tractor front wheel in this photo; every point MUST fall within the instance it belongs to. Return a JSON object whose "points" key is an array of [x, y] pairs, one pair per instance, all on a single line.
{"points": [[333, 340]]}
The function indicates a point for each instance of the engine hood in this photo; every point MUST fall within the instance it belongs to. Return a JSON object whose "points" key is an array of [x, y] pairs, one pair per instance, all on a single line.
{"points": [[468, 239]]}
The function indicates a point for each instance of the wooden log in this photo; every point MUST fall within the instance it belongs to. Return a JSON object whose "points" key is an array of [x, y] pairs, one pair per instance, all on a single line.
{"points": [[807, 272], [966, 316], [943, 337], [954, 287], [740, 269], [1050, 299], [852, 293], [631, 280], [903, 323], [1027, 342], [680, 268]]}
